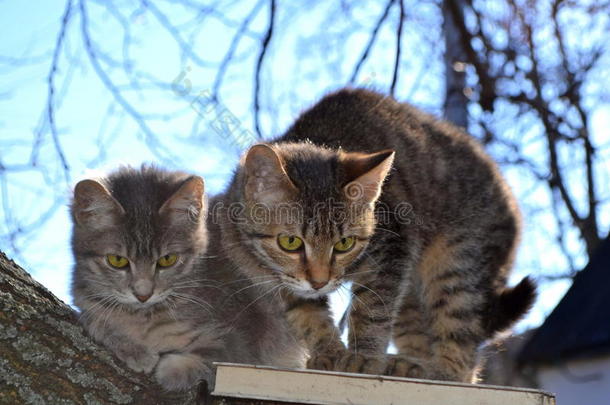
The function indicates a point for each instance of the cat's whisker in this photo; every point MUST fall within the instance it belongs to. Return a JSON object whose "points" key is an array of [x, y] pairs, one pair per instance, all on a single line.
{"points": [[92, 310], [379, 228], [195, 300], [377, 295], [256, 300], [348, 318], [101, 309], [364, 304], [248, 279], [371, 258], [346, 276], [106, 314], [195, 280], [250, 286], [194, 286]]}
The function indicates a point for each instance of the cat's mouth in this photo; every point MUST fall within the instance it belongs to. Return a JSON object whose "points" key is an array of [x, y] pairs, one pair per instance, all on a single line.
{"points": [[136, 304], [305, 290]]}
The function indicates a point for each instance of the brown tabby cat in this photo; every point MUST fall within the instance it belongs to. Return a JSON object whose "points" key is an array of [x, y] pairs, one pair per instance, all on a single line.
{"points": [[428, 258], [149, 295]]}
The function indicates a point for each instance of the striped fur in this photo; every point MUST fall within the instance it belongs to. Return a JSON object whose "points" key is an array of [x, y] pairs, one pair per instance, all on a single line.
{"points": [[430, 267]]}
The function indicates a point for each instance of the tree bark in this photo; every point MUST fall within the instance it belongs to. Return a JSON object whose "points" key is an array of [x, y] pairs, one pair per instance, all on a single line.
{"points": [[46, 356]]}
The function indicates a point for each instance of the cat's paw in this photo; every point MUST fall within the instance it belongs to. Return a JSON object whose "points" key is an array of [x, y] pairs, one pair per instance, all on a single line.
{"points": [[351, 362], [323, 361], [138, 358], [347, 361], [403, 366], [179, 372]]}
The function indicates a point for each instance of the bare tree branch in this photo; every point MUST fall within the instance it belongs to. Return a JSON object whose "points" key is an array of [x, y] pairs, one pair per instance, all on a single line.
{"points": [[401, 18], [259, 64], [372, 38], [222, 69], [51, 89], [152, 141]]}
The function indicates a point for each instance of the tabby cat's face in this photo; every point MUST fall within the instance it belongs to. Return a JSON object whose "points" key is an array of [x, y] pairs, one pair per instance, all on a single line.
{"points": [[309, 212], [131, 250]]}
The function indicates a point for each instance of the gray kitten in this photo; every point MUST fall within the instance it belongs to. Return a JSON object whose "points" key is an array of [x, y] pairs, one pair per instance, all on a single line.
{"points": [[147, 292]]}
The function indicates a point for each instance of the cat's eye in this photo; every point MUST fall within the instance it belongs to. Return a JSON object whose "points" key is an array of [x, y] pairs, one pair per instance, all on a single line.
{"points": [[167, 260], [290, 243], [117, 261], [345, 244]]}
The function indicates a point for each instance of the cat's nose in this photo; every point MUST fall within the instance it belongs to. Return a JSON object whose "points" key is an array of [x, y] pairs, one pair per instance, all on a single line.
{"points": [[143, 298], [316, 285], [143, 288]]}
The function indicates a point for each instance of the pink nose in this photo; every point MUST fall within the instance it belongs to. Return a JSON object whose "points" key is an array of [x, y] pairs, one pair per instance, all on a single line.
{"points": [[143, 298], [318, 284]]}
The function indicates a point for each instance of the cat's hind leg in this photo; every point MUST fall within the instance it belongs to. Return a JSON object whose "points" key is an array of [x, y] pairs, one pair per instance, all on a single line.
{"points": [[455, 281]]}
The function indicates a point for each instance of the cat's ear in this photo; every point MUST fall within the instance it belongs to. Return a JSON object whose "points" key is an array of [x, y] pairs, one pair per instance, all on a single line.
{"points": [[93, 206], [365, 174], [186, 205], [266, 180]]}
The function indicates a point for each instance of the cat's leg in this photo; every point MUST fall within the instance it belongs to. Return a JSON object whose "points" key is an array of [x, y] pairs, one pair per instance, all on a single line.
{"points": [[373, 308], [312, 322], [181, 369], [136, 355], [411, 338], [452, 276], [410, 331], [371, 314]]}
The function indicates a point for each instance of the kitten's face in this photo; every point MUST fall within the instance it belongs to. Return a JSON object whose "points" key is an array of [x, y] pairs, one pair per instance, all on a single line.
{"points": [[310, 212], [135, 246]]}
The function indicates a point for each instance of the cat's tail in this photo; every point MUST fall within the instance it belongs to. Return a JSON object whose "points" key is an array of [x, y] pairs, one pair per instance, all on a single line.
{"points": [[509, 305]]}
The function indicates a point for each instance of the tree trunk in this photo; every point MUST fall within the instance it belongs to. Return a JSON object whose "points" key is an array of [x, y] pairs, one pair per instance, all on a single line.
{"points": [[456, 102], [46, 356]]}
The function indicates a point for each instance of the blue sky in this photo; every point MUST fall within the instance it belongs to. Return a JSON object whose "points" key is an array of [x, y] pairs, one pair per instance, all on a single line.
{"points": [[300, 68]]}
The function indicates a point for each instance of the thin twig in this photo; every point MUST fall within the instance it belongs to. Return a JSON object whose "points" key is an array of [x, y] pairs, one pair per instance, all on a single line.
{"points": [[51, 89], [398, 41], [259, 64], [369, 45], [222, 69], [152, 143]]}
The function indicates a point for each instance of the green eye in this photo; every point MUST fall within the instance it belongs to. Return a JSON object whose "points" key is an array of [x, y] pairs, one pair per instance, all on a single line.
{"points": [[345, 244], [167, 260], [290, 243], [117, 261]]}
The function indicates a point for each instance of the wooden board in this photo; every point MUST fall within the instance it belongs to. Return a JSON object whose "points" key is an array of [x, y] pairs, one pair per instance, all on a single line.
{"points": [[239, 384]]}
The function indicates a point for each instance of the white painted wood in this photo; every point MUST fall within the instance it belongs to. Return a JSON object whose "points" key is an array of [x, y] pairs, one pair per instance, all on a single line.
{"points": [[331, 388]]}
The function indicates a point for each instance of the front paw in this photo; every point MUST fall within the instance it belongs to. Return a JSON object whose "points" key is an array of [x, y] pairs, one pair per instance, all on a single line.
{"points": [[404, 366], [347, 361], [179, 372], [138, 358], [322, 361], [351, 362]]}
